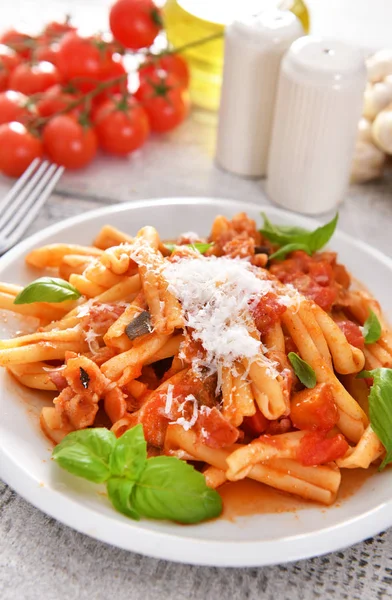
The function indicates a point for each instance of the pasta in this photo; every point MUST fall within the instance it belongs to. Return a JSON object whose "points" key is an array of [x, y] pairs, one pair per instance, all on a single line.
{"points": [[196, 347]]}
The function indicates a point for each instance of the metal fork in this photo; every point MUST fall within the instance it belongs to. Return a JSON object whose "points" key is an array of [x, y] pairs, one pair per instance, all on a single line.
{"points": [[24, 200]]}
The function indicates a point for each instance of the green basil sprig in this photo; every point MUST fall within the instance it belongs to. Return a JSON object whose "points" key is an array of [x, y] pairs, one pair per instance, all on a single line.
{"points": [[47, 289], [303, 370], [162, 487], [380, 408], [297, 238], [198, 246], [372, 329]]}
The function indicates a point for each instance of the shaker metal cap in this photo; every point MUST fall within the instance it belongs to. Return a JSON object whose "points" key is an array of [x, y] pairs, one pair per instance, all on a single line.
{"points": [[270, 26], [324, 60]]}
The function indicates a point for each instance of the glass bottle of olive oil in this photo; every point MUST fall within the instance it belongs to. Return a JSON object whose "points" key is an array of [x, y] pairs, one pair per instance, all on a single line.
{"points": [[191, 20]]}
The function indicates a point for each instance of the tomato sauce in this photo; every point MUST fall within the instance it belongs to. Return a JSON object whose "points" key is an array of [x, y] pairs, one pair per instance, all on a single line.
{"points": [[267, 312], [318, 277]]}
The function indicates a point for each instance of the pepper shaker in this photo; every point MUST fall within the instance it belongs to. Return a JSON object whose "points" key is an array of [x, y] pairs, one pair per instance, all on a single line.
{"points": [[253, 50], [318, 107]]}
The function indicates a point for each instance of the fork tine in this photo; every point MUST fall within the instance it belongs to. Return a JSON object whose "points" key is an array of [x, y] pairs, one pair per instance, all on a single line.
{"points": [[10, 211], [18, 185], [37, 200], [22, 213]]}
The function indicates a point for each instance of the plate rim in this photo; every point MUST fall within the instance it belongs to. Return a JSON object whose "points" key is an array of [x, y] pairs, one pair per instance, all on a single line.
{"points": [[186, 549]]}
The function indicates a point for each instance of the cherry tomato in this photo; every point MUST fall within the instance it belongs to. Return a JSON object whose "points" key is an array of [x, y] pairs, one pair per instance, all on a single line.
{"points": [[18, 148], [31, 79], [81, 60], [316, 449], [18, 41], [135, 23], [56, 29], [54, 100], [166, 103], [14, 107], [314, 409], [69, 143], [47, 52], [352, 332], [113, 68], [121, 126], [171, 63], [9, 59]]}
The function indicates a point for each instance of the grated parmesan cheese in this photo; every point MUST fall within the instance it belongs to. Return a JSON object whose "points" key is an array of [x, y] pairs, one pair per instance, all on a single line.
{"points": [[215, 294], [185, 423]]}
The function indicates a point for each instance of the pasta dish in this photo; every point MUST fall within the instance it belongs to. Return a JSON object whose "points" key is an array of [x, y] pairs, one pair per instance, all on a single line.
{"points": [[248, 353]]}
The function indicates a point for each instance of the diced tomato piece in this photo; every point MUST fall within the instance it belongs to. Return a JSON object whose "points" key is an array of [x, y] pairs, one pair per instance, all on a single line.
{"points": [[256, 424], [154, 420], [267, 312], [321, 272], [341, 276], [353, 333], [314, 409], [315, 449], [214, 430]]}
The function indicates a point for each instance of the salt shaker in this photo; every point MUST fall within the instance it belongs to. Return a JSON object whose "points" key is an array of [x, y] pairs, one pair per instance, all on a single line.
{"points": [[319, 103], [253, 50]]}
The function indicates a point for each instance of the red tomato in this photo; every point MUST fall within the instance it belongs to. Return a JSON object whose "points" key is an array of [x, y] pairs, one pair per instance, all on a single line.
{"points": [[113, 68], [267, 312], [68, 143], [256, 424], [31, 79], [315, 449], [20, 42], [9, 59], [81, 60], [165, 101], [135, 23], [352, 332], [53, 101], [56, 29], [18, 148], [4, 78], [13, 107], [121, 126], [47, 52], [314, 409], [215, 430], [171, 63]]}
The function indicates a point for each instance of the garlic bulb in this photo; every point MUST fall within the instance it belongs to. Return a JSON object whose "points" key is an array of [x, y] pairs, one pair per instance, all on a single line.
{"points": [[377, 97], [379, 65], [368, 162], [365, 130], [382, 130]]}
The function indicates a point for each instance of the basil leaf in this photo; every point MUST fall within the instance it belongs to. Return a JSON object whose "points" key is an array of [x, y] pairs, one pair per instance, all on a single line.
{"points": [[380, 408], [171, 489], [312, 240], [129, 455], [47, 289], [303, 370], [372, 329], [86, 453], [119, 492], [199, 246], [321, 236], [285, 250], [281, 234]]}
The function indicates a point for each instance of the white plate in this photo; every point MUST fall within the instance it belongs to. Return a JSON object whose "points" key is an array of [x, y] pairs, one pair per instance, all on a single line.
{"points": [[249, 541]]}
